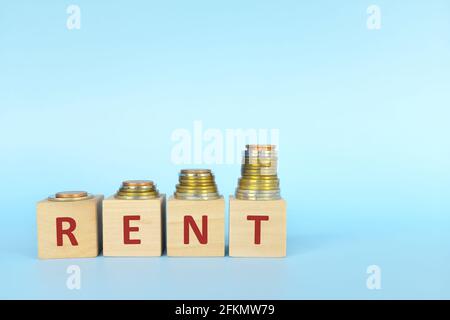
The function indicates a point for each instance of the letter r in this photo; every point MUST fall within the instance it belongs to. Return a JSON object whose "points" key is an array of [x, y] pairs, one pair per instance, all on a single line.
{"points": [[68, 232]]}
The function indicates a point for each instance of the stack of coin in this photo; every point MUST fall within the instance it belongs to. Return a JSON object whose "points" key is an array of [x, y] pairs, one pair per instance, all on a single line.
{"points": [[259, 179], [70, 196], [196, 184], [137, 190]]}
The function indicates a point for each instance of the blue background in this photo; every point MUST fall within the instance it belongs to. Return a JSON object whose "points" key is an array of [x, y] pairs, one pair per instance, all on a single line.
{"points": [[363, 116]]}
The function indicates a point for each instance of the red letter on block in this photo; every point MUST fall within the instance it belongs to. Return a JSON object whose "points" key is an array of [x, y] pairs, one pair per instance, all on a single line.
{"points": [[201, 236], [127, 230], [68, 232], [258, 220]]}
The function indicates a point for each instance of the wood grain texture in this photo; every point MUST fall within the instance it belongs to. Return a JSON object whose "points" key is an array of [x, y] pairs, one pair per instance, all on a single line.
{"points": [[150, 224], [215, 212], [86, 213], [242, 231]]}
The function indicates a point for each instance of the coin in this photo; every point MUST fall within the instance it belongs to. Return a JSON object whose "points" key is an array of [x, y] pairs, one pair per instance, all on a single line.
{"points": [[196, 184], [265, 147], [195, 172], [257, 195], [136, 194], [137, 190], [135, 197], [259, 180], [137, 183], [71, 194]]}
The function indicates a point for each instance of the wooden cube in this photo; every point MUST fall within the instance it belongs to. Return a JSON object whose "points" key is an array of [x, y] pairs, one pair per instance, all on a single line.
{"points": [[257, 228], [133, 227], [195, 227], [69, 229]]}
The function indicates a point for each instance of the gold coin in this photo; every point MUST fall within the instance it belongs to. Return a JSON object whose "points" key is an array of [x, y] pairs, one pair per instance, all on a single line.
{"points": [[209, 185], [199, 181], [137, 190], [188, 179], [125, 193], [260, 178], [254, 173], [197, 197], [71, 194], [199, 189], [257, 181], [136, 183], [123, 197], [258, 187], [259, 168], [195, 172], [260, 147], [196, 184]]}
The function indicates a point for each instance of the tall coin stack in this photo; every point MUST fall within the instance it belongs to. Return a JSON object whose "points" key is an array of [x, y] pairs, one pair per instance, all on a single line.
{"points": [[259, 179], [196, 184], [137, 190]]}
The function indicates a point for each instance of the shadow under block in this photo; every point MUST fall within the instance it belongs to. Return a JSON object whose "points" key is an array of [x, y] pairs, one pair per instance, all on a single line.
{"points": [[69, 229], [133, 227], [257, 228], [196, 227]]}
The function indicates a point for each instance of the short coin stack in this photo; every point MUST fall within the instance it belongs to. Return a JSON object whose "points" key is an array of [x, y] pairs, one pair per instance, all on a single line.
{"points": [[137, 190], [196, 184], [259, 179], [70, 196]]}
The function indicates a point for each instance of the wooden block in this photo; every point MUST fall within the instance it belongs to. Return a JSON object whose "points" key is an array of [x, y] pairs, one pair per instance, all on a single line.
{"points": [[133, 227], [195, 227], [257, 228], [69, 229]]}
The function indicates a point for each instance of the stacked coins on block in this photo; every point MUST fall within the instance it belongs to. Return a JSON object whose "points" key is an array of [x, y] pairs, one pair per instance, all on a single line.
{"points": [[68, 225], [195, 216], [137, 190], [196, 184], [257, 212], [133, 220], [259, 179]]}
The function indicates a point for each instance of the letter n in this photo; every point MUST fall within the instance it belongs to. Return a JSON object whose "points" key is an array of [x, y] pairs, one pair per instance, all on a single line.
{"points": [[201, 236]]}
